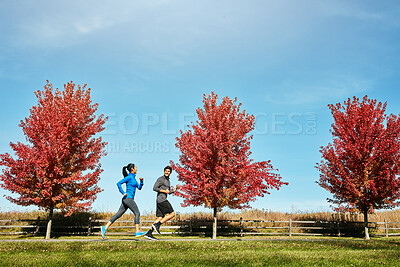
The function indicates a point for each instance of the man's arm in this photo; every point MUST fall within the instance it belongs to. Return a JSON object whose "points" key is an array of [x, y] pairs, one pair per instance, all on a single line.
{"points": [[157, 185], [173, 190]]}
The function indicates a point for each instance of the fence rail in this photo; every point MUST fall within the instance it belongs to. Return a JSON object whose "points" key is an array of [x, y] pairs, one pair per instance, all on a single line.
{"points": [[203, 227]]}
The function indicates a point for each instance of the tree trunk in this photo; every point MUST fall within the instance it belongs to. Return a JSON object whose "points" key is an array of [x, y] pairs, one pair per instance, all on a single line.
{"points": [[366, 224], [48, 230], [214, 236]]}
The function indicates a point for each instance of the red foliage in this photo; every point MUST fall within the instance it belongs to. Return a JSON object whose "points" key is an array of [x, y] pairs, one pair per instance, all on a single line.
{"points": [[361, 167], [214, 165], [59, 168]]}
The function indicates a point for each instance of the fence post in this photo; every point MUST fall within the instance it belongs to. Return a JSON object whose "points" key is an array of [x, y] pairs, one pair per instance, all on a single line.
{"points": [[241, 226], [190, 226], [290, 227], [37, 225], [386, 228], [338, 227], [90, 226]]}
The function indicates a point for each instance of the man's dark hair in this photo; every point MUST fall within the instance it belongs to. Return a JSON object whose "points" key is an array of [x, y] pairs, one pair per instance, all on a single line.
{"points": [[169, 168]]}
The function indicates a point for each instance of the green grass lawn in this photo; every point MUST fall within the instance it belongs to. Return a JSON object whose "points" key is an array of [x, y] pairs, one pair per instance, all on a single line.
{"points": [[330, 252]]}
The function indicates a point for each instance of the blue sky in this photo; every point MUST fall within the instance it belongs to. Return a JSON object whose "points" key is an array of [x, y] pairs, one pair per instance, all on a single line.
{"points": [[150, 62]]}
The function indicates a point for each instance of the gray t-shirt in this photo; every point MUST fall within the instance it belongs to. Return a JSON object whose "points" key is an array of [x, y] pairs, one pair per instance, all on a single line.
{"points": [[162, 183]]}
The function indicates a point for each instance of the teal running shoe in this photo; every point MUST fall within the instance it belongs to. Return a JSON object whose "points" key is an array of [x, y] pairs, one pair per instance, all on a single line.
{"points": [[139, 233], [103, 232]]}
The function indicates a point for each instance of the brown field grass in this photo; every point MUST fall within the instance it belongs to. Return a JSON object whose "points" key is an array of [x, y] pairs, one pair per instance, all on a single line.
{"points": [[251, 214]]}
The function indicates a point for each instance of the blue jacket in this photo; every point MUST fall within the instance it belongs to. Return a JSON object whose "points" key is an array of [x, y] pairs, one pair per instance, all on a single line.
{"points": [[131, 185]]}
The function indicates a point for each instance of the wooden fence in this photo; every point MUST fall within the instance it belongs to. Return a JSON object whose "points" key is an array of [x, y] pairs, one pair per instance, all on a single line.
{"points": [[194, 227]]}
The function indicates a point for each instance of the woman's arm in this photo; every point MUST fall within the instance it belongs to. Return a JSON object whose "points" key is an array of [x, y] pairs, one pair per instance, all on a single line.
{"points": [[119, 184], [140, 183]]}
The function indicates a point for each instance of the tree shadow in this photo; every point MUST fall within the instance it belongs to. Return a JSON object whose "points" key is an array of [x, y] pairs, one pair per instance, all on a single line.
{"points": [[335, 228], [80, 223], [202, 227]]}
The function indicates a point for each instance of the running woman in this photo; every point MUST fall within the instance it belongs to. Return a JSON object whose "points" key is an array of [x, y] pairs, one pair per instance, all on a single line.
{"points": [[164, 212], [127, 199]]}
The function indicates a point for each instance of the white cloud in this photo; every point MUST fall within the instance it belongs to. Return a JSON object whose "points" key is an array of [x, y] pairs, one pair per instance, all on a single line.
{"points": [[384, 14], [347, 9], [92, 24], [291, 92], [60, 30]]}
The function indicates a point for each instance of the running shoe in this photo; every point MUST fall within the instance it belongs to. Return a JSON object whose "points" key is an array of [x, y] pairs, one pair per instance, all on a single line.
{"points": [[140, 233], [156, 227], [150, 236], [103, 232]]}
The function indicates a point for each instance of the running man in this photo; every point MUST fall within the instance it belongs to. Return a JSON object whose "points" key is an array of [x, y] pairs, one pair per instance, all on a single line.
{"points": [[164, 212]]}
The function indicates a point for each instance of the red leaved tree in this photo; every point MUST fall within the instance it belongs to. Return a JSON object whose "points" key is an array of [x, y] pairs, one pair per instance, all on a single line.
{"points": [[361, 167], [59, 167], [215, 167]]}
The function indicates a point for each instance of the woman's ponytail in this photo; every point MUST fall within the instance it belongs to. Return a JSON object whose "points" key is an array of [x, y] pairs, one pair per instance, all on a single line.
{"points": [[126, 169]]}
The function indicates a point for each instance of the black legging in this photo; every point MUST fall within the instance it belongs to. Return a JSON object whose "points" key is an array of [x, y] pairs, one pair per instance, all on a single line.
{"points": [[127, 203]]}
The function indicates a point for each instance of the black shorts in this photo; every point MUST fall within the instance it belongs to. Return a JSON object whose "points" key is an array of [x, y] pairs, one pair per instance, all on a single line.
{"points": [[164, 208]]}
